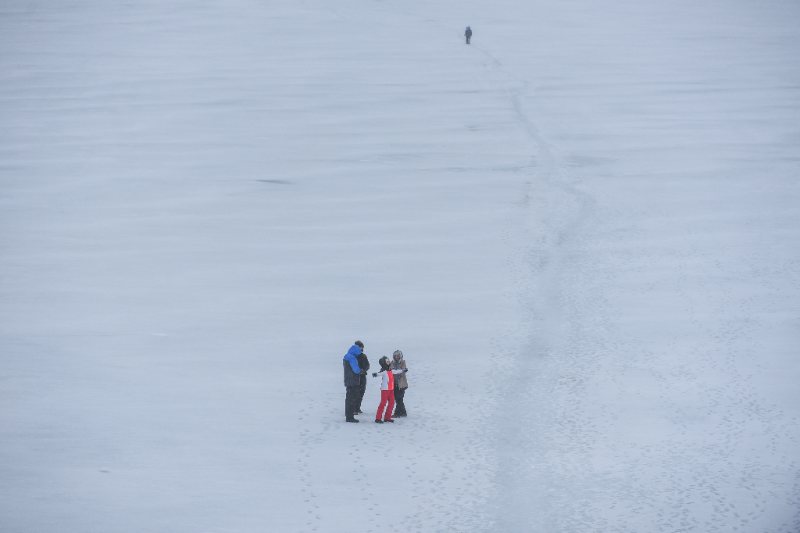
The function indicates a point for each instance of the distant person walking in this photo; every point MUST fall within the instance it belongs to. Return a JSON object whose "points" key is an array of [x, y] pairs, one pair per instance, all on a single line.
{"points": [[352, 380], [363, 364], [384, 413], [468, 34], [400, 384]]}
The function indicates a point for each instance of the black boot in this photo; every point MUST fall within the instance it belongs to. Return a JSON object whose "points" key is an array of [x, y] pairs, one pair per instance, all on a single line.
{"points": [[351, 420], [378, 421]]}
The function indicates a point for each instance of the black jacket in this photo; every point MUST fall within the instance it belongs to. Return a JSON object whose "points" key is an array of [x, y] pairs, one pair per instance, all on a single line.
{"points": [[351, 379], [363, 363]]}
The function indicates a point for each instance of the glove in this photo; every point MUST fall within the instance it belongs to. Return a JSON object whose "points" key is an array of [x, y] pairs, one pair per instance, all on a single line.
{"points": [[405, 370], [374, 375]]}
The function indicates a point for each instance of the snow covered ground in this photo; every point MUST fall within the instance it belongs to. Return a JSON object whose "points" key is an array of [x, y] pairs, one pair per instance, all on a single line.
{"points": [[582, 231]]}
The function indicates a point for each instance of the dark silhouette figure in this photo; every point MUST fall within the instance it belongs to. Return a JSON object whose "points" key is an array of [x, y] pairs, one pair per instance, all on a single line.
{"points": [[468, 34], [363, 364]]}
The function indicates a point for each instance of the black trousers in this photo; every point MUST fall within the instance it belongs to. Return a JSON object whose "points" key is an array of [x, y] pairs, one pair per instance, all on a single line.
{"points": [[399, 406], [467, 40], [361, 390], [350, 401]]}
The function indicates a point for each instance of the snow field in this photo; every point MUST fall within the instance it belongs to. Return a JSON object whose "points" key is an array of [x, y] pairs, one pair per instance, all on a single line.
{"points": [[580, 230]]}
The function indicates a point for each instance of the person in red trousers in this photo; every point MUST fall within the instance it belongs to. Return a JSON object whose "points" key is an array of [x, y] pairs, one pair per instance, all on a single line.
{"points": [[387, 390]]}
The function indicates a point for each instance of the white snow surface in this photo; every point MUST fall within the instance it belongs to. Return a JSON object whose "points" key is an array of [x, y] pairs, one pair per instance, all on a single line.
{"points": [[582, 230]]}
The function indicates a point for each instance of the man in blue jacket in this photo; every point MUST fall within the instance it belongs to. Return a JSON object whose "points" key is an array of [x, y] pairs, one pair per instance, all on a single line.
{"points": [[352, 380]]}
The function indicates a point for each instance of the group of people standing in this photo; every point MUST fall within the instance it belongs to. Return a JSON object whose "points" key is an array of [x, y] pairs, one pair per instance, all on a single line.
{"points": [[393, 384]]}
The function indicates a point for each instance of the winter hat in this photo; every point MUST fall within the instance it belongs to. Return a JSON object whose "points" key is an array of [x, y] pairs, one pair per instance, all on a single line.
{"points": [[359, 344], [396, 353], [384, 361]]}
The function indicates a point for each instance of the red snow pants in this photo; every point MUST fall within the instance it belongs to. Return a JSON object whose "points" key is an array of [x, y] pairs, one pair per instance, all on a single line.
{"points": [[387, 396]]}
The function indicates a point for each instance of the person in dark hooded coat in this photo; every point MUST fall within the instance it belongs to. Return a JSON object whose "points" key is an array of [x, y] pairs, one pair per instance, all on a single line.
{"points": [[468, 34], [363, 364]]}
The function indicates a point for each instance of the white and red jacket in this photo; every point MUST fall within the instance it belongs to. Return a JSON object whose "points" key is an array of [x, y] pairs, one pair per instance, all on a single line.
{"points": [[387, 382]]}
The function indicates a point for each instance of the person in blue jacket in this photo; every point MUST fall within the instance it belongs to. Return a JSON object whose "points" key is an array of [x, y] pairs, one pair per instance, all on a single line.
{"points": [[352, 380]]}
